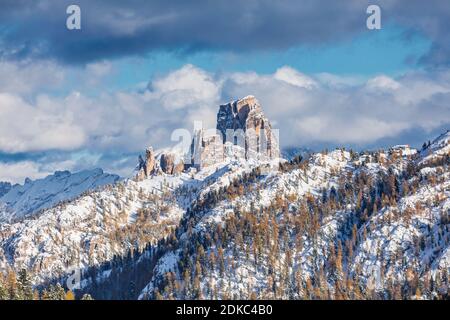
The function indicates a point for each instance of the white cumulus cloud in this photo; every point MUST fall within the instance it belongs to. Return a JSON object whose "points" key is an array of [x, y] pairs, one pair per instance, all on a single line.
{"points": [[294, 77], [24, 127], [307, 109]]}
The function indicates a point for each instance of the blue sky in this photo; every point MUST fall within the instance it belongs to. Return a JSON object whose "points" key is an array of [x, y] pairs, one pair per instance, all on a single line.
{"points": [[373, 52], [97, 97]]}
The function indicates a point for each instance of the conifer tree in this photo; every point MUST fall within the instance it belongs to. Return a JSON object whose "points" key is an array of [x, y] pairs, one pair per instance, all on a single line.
{"points": [[24, 286], [69, 295]]}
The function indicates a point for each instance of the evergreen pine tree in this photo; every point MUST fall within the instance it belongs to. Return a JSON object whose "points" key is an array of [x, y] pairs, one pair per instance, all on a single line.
{"points": [[24, 285]]}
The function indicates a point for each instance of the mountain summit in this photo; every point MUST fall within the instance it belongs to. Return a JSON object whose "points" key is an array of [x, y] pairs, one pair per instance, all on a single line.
{"points": [[245, 119], [242, 130]]}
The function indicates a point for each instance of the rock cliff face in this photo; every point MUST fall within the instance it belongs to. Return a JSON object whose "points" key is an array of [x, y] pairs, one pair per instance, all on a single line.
{"points": [[146, 167], [170, 165], [207, 149], [150, 161], [241, 122], [154, 164]]}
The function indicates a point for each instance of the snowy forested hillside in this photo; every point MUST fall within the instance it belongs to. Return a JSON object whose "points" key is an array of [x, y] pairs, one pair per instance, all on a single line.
{"points": [[336, 225], [330, 225], [339, 225]]}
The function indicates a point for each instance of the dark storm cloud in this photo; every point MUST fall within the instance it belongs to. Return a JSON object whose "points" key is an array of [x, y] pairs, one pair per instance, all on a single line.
{"points": [[120, 28], [432, 19]]}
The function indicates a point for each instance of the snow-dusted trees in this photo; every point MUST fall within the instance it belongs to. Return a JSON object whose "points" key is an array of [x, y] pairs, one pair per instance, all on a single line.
{"points": [[19, 287]]}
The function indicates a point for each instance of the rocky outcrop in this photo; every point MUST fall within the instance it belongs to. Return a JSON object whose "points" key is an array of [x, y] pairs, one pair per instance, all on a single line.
{"points": [[169, 164], [146, 167], [178, 168], [207, 148], [239, 123], [166, 162], [242, 122], [149, 161]]}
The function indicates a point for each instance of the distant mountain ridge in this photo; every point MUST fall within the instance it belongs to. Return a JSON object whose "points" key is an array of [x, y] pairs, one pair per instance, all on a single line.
{"points": [[290, 153], [21, 201], [4, 188]]}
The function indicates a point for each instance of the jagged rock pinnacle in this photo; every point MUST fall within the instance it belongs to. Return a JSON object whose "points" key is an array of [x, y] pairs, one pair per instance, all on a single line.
{"points": [[247, 115], [240, 122]]}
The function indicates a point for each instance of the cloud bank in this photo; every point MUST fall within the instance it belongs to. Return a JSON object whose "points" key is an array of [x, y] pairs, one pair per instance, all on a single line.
{"points": [[307, 109]]}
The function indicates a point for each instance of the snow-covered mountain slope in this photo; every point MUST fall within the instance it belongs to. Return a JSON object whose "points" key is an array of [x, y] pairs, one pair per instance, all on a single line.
{"points": [[329, 225], [25, 200], [103, 224], [259, 195], [370, 225], [4, 188], [410, 236], [438, 149], [336, 225]]}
